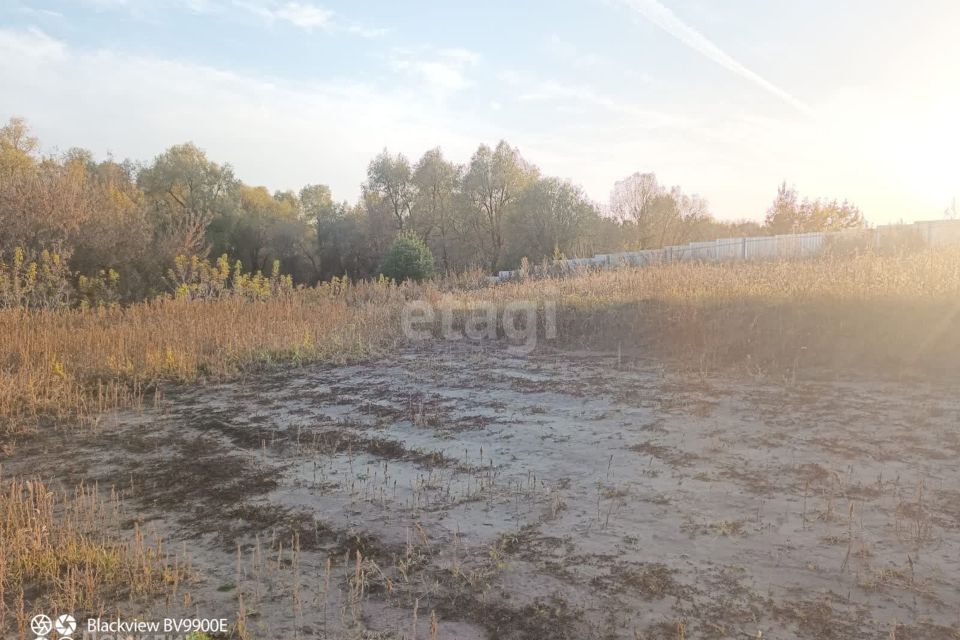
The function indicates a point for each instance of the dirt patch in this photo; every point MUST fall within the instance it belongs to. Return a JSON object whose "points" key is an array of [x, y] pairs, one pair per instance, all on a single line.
{"points": [[553, 496]]}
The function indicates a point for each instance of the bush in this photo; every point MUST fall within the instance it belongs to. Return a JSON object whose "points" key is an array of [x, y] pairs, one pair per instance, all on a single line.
{"points": [[196, 279], [408, 259], [31, 281]]}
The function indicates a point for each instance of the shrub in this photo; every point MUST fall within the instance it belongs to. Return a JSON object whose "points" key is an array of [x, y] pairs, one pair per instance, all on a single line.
{"points": [[196, 279], [409, 258], [35, 281]]}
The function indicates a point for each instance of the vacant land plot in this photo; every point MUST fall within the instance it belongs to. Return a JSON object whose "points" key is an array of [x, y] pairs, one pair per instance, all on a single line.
{"points": [[457, 490]]}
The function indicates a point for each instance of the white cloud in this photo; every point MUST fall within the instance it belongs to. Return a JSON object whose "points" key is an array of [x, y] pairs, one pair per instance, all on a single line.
{"points": [[32, 45], [273, 133], [307, 16], [563, 95], [669, 22], [443, 70], [142, 6], [895, 155], [304, 16], [41, 13], [364, 31], [571, 54]]}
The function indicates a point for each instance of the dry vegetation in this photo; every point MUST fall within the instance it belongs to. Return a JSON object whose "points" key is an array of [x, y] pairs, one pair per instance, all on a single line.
{"points": [[58, 555], [897, 312], [76, 364], [68, 367]]}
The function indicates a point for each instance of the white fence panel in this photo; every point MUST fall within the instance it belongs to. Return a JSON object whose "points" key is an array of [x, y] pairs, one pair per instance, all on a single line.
{"points": [[939, 233], [936, 233], [761, 248]]}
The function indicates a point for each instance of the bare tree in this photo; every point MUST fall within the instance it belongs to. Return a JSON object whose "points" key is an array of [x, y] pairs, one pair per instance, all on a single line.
{"points": [[633, 199]]}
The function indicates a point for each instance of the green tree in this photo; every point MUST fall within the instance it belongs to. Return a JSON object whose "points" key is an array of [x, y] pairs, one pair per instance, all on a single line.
{"points": [[494, 180], [436, 181], [550, 217], [343, 241], [390, 179], [409, 258], [256, 222], [191, 198]]}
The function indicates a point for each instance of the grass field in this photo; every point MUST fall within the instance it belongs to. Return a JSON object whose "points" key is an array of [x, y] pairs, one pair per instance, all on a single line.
{"points": [[896, 311]]}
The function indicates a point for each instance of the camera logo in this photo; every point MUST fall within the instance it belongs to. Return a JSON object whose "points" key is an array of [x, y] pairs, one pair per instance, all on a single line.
{"points": [[42, 625]]}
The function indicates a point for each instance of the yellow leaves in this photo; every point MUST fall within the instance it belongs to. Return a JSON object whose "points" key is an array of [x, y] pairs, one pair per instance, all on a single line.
{"points": [[31, 281], [120, 366], [223, 268], [119, 199], [308, 342], [166, 361], [58, 369], [196, 279], [99, 290]]}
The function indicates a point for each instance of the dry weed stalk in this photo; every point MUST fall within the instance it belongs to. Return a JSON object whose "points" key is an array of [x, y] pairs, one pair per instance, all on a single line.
{"points": [[57, 544]]}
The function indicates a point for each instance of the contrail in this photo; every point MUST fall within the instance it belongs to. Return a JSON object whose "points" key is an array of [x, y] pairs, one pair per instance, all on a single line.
{"points": [[664, 18]]}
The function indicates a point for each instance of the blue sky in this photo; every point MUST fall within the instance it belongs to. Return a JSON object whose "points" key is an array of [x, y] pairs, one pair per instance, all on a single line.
{"points": [[854, 99]]}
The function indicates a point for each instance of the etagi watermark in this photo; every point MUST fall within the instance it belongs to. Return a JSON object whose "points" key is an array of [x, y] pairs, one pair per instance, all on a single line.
{"points": [[522, 322]]}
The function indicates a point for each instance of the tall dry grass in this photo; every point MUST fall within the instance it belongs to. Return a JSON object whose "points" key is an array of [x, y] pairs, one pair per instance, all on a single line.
{"points": [[887, 312], [58, 554], [73, 365]]}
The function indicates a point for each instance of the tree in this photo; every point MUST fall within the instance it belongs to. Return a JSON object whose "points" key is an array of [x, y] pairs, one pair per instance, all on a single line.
{"points": [[389, 178], [116, 233], [316, 202], [409, 258], [678, 217], [788, 215], [494, 180], [655, 216], [293, 241], [550, 218], [632, 199], [256, 224], [342, 241], [783, 216], [15, 135], [187, 193], [436, 182], [17, 147]]}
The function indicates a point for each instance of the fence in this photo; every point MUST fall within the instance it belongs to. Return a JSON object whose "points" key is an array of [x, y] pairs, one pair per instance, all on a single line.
{"points": [[934, 233]]}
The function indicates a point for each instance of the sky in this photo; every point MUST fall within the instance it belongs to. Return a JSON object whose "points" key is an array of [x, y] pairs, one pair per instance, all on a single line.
{"points": [[846, 99]]}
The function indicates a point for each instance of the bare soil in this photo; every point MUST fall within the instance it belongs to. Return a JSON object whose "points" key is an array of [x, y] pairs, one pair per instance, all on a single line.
{"points": [[556, 495]]}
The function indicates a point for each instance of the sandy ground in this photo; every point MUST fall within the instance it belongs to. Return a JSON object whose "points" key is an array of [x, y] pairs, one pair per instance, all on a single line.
{"points": [[555, 495]]}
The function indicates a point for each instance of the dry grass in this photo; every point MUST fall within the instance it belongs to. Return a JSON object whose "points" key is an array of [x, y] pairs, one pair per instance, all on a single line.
{"points": [[889, 313], [62, 552], [68, 366], [56, 555]]}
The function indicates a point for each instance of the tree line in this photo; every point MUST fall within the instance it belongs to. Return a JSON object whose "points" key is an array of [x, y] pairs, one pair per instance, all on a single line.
{"points": [[128, 222]]}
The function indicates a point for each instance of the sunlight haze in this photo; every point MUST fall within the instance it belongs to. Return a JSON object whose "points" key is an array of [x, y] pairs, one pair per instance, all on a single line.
{"points": [[853, 100]]}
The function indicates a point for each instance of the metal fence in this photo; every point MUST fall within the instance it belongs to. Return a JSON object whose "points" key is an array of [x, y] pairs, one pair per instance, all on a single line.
{"points": [[935, 233]]}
